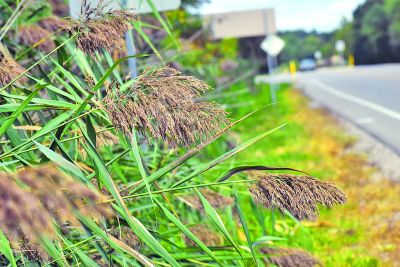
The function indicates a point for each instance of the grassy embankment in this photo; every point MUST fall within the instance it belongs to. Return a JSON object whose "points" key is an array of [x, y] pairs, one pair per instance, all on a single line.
{"points": [[364, 232]]}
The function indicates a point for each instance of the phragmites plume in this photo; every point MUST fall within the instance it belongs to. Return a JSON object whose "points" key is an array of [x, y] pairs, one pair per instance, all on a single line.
{"points": [[286, 257], [299, 195], [54, 23], [216, 200], [36, 36], [99, 29], [207, 236], [126, 235], [32, 199], [9, 70], [162, 104]]}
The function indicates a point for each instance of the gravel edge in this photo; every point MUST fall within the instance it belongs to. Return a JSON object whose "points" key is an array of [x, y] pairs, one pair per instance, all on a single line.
{"points": [[379, 155]]}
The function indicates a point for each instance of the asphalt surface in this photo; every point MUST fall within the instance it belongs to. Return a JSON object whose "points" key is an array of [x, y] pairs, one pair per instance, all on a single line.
{"points": [[368, 96]]}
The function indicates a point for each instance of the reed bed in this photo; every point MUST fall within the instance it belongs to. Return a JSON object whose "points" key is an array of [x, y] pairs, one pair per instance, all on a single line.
{"points": [[100, 170]]}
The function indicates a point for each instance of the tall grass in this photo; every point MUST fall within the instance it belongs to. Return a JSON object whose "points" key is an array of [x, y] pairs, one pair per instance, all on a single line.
{"points": [[141, 142]]}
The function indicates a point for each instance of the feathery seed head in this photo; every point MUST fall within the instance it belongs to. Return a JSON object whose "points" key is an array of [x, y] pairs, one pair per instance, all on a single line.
{"points": [[32, 199], [162, 104], [21, 214], [98, 29], [54, 23], [34, 35], [216, 200], [67, 195], [287, 257], [126, 235], [299, 195], [32, 251], [205, 234], [9, 70]]}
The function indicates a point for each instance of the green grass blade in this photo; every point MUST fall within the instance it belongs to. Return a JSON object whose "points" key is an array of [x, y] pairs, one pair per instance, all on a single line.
{"points": [[216, 219], [191, 153], [228, 154], [53, 252], [6, 250], [10, 120], [137, 227], [115, 243], [245, 228], [86, 260], [139, 162], [166, 27], [138, 27], [144, 235], [187, 232], [60, 161]]}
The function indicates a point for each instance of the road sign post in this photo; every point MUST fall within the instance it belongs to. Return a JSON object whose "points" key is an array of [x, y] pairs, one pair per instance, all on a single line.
{"points": [[340, 46], [272, 45]]}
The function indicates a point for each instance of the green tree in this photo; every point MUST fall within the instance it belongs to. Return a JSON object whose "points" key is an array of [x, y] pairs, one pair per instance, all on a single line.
{"points": [[376, 30], [392, 8]]}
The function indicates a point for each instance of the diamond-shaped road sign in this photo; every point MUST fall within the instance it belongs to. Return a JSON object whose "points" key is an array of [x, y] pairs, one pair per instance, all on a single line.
{"points": [[273, 45], [140, 6]]}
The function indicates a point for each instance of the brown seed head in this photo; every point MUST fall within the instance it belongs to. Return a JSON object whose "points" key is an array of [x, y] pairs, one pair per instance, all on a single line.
{"points": [[34, 35], [229, 65], [98, 29], [54, 23], [161, 104], [32, 251], [286, 257], [67, 195], [299, 195], [127, 236], [216, 200], [205, 234], [21, 214], [105, 138], [9, 70], [33, 198]]}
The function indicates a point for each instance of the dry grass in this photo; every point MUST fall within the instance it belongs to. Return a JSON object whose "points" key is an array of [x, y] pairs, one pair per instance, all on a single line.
{"points": [[373, 200]]}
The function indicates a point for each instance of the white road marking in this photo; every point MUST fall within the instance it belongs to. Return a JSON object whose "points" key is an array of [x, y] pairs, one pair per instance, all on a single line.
{"points": [[357, 100], [367, 120]]}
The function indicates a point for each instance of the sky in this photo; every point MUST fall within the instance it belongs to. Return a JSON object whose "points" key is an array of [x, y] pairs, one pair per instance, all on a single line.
{"points": [[320, 15]]}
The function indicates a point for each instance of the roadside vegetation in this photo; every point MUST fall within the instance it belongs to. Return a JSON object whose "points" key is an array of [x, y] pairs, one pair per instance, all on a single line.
{"points": [[100, 168], [362, 233]]}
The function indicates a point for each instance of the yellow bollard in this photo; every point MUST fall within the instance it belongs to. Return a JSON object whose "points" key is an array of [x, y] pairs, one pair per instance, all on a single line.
{"points": [[351, 60], [292, 67]]}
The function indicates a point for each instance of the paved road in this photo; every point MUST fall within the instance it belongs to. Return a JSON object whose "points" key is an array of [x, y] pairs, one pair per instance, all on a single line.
{"points": [[369, 96]]}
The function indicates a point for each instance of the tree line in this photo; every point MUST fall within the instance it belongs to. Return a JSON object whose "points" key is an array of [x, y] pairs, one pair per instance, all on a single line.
{"points": [[372, 36]]}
